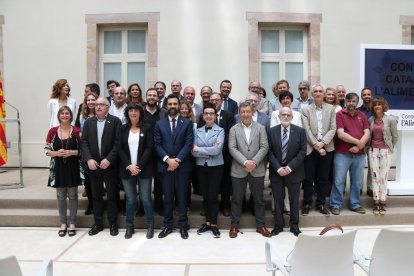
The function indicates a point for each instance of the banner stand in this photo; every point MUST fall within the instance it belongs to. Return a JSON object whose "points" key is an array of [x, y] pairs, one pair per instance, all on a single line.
{"points": [[404, 180]]}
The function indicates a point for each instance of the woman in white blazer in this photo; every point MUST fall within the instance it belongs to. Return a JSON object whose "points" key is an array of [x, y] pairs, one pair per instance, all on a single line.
{"points": [[208, 146], [60, 97]]}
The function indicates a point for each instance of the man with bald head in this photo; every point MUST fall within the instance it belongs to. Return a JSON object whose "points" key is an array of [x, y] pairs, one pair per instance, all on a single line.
{"points": [[205, 94], [263, 106], [189, 95], [176, 89], [101, 155], [287, 151], [117, 109]]}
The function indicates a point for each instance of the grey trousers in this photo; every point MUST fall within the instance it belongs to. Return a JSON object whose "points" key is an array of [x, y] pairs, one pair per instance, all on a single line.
{"points": [[72, 194], [256, 185]]}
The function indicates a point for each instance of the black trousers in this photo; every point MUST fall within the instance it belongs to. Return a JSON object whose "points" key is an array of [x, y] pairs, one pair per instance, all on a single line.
{"points": [[110, 177], [278, 191], [316, 167], [209, 180]]}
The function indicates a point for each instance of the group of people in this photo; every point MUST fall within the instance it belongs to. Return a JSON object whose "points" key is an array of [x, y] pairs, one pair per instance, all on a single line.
{"points": [[166, 144]]}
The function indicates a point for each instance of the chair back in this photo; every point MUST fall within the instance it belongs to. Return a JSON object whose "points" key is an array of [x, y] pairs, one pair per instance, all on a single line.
{"points": [[392, 253], [10, 267], [323, 255]]}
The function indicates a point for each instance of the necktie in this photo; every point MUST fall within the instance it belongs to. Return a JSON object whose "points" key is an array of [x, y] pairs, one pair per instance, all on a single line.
{"points": [[160, 103], [173, 126], [285, 141], [226, 104], [217, 121]]}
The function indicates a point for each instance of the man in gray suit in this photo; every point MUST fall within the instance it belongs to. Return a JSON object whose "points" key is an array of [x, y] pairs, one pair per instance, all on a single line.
{"points": [[287, 150], [319, 122], [248, 146]]}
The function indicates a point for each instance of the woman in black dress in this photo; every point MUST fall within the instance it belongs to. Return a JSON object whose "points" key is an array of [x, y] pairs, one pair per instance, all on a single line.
{"points": [[62, 145]]}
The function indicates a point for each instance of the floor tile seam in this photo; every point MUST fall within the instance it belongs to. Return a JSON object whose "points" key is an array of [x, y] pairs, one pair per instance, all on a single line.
{"points": [[80, 237], [152, 264]]}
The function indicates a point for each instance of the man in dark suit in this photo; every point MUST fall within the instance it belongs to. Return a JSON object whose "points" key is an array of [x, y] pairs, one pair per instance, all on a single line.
{"points": [[99, 150], [176, 88], [287, 151], [174, 139], [160, 87], [228, 105], [225, 120], [111, 85], [189, 95]]}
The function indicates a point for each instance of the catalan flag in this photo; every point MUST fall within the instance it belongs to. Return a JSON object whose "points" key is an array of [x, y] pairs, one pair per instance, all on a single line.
{"points": [[3, 144]]}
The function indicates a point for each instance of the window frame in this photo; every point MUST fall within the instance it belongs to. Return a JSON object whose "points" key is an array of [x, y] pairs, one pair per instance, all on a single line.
{"points": [[407, 26], [311, 21], [95, 22], [124, 57]]}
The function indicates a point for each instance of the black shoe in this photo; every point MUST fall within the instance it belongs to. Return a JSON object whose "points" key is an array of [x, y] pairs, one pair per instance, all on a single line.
{"points": [[322, 209], [204, 228], [184, 233], [215, 231], [276, 231], [113, 230], [305, 210], [88, 211], [150, 232], [295, 231], [129, 231], [95, 230], [165, 232], [62, 232]]}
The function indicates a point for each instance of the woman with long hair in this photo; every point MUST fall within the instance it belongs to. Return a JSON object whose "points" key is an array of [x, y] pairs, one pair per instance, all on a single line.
{"points": [[135, 151], [134, 94], [384, 136], [331, 97], [63, 146], [59, 97]]}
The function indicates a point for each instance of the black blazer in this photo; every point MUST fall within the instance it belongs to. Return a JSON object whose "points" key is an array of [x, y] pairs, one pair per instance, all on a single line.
{"points": [[145, 152], [295, 155], [89, 145], [233, 108]]}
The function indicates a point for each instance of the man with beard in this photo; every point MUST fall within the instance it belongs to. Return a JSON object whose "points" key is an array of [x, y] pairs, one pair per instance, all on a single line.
{"points": [[154, 113], [174, 139], [353, 133]]}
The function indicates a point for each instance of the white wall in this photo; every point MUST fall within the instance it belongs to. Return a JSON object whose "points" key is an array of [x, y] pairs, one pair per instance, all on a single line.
{"points": [[200, 43]]}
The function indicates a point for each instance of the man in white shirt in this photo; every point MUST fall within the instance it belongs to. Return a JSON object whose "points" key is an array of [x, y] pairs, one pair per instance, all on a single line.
{"points": [[117, 109]]}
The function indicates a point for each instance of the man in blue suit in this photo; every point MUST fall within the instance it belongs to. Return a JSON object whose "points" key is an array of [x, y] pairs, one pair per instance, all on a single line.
{"points": [[229, 105], [174, 138]]}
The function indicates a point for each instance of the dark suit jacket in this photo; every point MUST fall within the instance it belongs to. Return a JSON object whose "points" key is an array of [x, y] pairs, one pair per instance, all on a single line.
{"points": [[295, 155], [109, 150], [145, 152], [178, 145], [233, 108], [226, 122]]}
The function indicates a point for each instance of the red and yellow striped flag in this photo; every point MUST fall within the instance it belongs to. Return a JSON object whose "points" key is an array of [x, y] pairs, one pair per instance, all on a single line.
{"points": [[3, 144]]}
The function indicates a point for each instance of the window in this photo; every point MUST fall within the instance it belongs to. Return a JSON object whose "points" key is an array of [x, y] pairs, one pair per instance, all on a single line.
{"points": [[283, 46], [407, 24], [123, 47], [283, 55], [123, 55]]}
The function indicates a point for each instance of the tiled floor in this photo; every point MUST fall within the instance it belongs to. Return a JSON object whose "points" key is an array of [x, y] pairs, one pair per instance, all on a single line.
{"points": [[199, 255]]}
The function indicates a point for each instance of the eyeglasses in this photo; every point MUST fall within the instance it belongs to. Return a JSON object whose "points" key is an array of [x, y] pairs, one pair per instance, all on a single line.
{"points": [[101, 104], [303, 88], [209, 113]]}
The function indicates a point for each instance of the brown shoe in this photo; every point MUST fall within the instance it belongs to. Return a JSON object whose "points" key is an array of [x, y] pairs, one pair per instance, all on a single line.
{"points": [[233, 232], [226, 212], [263, 230]]}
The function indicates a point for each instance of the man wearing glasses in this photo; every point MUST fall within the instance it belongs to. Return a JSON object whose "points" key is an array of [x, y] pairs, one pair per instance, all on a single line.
{"points": [[101, 154], [304, 99]]}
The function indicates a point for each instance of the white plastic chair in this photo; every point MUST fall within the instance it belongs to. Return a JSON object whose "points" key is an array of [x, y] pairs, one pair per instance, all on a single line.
{"points": [[391, 255], [10, 267], [314, 255]]}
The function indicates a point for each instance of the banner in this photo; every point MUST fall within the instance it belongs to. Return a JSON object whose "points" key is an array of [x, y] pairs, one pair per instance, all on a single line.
{"points": [[389, 71], [3, 144]]}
